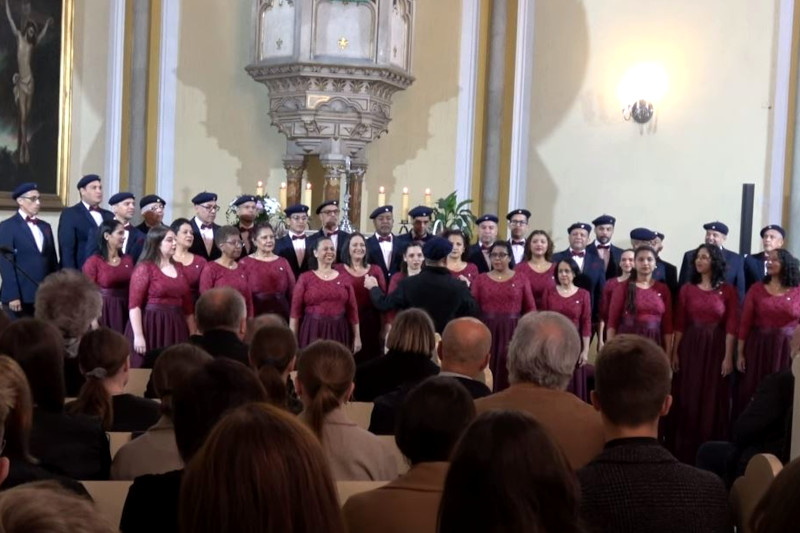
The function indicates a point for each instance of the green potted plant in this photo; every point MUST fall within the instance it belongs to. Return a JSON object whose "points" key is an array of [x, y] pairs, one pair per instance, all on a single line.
{"points": [[449, 213]]}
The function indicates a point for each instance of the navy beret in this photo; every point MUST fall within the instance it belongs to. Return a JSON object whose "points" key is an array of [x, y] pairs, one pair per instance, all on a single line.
{"points": [[579, 225], [487, 218], [642, 234], [660, 235], [323, 205], [87, 179], [437, 248], [120, 196], [602, 220], [204, 197], [518, 212], [295, 209], [716, 226], [151, 199], [765, 229], [380, 210], [22, 188], [420, 211], [243, 199]]}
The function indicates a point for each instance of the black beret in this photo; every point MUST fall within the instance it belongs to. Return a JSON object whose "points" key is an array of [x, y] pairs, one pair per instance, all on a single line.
{"points": [[487, 218], [716, 226], [420, 211], [295, 209], [660, 235], [323, 205], [120, 196], [87, 179], [518, 212], [151, 199], [380, 210], [765, 229], [602, 220], [243, 199], [579, 225], [642, 234], [204, 197], [437, 248], [22, 188]]}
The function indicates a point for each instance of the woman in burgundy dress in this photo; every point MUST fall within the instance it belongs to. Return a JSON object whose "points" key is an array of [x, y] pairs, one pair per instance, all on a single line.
{"points": [[706, 321], [192, 263], [411, 265], [111, 271], [770, 315], [354, 267], [226, 271], [160, 303], [626, 266], [503, 297], [271, 277], [575, 304], [536, 265], [457, 260], [642, 306], [324, 303]]}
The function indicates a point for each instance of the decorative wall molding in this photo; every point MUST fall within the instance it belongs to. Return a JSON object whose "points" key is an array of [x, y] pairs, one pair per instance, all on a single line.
{"points": [[167, 102], [780, 110], [116, 64], [467, 96]]}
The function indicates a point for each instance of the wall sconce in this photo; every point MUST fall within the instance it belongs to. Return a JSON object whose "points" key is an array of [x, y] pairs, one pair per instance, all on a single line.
{"points": [[642, 87]]}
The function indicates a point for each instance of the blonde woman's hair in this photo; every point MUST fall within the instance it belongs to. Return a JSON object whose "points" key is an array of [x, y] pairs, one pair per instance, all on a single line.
{"points": [[412, 331]]}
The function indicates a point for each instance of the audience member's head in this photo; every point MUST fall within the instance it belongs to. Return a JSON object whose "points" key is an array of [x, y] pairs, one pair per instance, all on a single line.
{"points": [[632, 383], [276, 481], [221, 308], [39, 349], [507, 474], [5, 321], [202, 399], [777, 511], [175, 365], [16, 410], [325, 371], [256, 323], [46, 507], [70, 301], [432, 418], [103, 360], [272, 353], [466, 347], [412, 332], [544, 350]]}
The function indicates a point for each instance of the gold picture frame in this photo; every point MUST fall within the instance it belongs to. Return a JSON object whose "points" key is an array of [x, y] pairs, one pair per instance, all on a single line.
{"points": [[53, 185]]}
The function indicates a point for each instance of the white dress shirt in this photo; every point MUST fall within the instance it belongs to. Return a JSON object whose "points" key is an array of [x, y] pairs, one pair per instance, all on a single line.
{"points": [[299, 246], [578, 260], [386, 249], [98, 218], [38, 236]]}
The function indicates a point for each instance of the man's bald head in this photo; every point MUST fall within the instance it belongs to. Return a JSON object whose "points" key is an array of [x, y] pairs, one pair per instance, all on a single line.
{"points": [[465, 347]]}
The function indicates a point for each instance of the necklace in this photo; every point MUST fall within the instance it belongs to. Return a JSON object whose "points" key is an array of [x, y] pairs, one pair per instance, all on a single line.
{"points": [[328, 274]]}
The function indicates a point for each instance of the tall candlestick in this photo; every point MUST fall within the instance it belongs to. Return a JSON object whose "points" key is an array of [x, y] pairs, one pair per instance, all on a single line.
{"points": [[381, 196], [260, 188], [428, 198], [283, 195], [307, 195], [405, 204]]}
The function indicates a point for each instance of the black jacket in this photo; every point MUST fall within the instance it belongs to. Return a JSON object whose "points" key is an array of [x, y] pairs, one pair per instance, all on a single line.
{"points": [[72, 445], [766, 423], [152, 504], [384, 374]]}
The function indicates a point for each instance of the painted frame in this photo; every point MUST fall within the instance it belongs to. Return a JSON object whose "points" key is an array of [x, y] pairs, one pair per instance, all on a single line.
{"points": [[45, 157]]}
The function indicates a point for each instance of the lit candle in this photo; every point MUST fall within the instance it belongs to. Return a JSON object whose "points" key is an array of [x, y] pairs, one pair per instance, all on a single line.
{"points": [[307, 196], [381, 196], [260, 188], [405, 204], [283, 195], [428, 198]]}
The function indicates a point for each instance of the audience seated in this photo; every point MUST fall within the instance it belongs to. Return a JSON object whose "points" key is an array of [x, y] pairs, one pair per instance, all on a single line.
{"points": [[16, 413], [74, 445], [256, 323], [273, 353], [103, 359], [541, 359], [156, 452], [431, 420], [778, 512], [507, 474], [73, 304], [198, 403], [410, 347], [635, 484], [464, 353], [45, 507], [324, 382]]}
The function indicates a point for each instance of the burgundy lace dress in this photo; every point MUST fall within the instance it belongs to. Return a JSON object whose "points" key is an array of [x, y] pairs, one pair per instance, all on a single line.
{"points": [[216, 275], [369, 318], [192, 272], [539, 282], [114, 283], [324, 309], [271, 284], [653, 318], [470, 272]]}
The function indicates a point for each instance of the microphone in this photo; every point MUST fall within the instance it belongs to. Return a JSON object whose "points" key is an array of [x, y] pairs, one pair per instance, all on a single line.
{"points": [[7, 250]]}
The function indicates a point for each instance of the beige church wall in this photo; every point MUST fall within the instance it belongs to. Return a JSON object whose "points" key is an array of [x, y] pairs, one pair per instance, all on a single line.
{"points": [[712, 127]]}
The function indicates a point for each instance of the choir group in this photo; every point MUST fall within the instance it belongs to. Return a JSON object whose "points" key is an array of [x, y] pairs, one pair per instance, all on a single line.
{"points": [[725, 320]]}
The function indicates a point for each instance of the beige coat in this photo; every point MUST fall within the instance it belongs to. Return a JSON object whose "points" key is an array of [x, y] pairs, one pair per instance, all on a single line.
{"points": [[153, 452], [409, 504], [572, 423]]}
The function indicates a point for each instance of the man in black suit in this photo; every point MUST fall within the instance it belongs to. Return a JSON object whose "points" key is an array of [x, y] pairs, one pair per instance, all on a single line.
{"points": [[382, 247], [755, 265], [635, 484], [518, 225], [487, 234], [420, 222], [152, 209], [602, 247], [123, 205], [292, 246], [31, 246], [203, 226], [716, 235], [77, 222], [433, 290], [464, 351], [329, 227], [666, 272], [593, 270]]}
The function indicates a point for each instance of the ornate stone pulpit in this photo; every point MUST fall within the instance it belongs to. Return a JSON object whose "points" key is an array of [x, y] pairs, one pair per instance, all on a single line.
{"points": [[331, 67]]}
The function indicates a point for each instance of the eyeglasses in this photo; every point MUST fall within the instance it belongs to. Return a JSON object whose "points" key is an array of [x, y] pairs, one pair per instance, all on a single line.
{"points": [[235, 244], [518, 222], [331, 212], [211, 208], [498, 256], [33, 199]]}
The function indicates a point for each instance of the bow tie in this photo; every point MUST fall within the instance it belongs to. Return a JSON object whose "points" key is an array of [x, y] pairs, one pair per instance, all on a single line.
{"points": [[94, 208], [242, 229], [578, 254], [385, 239], [206, 226], [485, 248], [298, 237], [332, 233], [31, 220], [603, 246], [517, 243], [127, 227]]}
